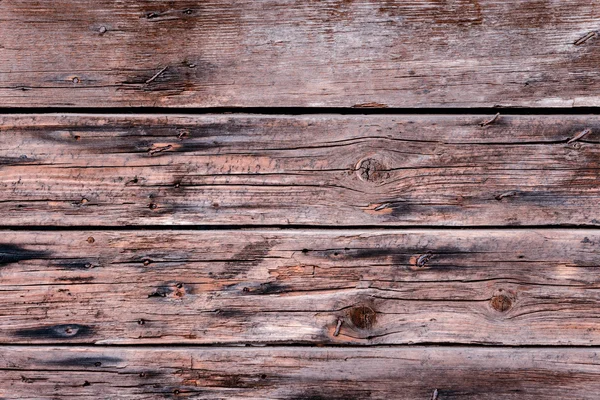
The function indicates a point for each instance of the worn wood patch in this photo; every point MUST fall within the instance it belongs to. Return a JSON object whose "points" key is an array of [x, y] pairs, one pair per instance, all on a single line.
{"points": [[300, 373], [320, 170], [341, 53], [353, 287]]}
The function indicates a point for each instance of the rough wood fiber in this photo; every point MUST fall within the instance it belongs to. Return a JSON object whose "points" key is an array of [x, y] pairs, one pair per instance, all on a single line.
{"points": [[319, 170], [299, 373], [343, 287], [342, 53]]}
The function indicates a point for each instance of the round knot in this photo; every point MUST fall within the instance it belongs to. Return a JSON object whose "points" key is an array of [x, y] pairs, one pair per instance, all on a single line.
{"points": [[363, 317], [501, 303], [370, 170]]}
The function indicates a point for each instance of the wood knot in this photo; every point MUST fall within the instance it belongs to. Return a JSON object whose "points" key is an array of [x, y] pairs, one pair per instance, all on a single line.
{"points": [[91, 240], [363, 317], [501, 303], [179, 290], [423, 259], [71, 330], [369, 170]]}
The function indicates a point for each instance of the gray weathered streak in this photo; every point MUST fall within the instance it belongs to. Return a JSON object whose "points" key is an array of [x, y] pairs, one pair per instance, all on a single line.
{"points": [[510, 287], [299, 373], [340, 53], [112, 170]]}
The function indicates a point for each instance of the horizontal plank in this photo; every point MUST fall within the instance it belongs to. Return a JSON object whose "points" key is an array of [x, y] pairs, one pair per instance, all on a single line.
{"points": [[110, 170], [340, 53], [362, 287], [300, 373]]}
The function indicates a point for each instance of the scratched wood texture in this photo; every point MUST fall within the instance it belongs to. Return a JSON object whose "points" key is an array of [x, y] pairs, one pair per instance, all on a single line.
{"points": [[116, 170], [363, 287], [339, 53], [299, 373]]}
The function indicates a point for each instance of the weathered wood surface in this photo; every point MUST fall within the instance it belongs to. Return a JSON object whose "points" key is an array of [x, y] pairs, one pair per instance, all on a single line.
{"points": [[379, 170], [300, 373], [341, 53], [359, 287]]}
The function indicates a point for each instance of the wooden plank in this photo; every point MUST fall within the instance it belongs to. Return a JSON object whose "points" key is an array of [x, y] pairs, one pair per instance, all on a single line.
{"points": [[360, 287], [300, 373], [340, 53], [379, 170]]}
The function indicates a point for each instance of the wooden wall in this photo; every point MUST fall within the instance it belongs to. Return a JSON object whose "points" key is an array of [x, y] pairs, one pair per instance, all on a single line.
{"points": [[285, 199]]}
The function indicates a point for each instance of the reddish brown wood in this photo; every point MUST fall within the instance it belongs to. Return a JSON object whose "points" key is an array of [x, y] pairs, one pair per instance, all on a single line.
{"points": [[360, 287], [299, 373], [339, 53], [113, 170]]}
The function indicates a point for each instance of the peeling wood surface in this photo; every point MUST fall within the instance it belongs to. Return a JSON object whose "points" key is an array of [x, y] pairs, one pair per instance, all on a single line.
{"points": [[339, 53], [300, 373], [512, 287], [454, 170]]}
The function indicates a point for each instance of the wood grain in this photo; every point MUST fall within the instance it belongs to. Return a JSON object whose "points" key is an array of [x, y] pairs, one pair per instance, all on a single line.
{"points": [[111, 170], [339, 53], [299, 373], [361, 287]]}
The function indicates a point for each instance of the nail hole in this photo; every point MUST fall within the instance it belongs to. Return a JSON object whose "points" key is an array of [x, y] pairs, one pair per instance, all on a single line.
{"points": [[91, 240]]}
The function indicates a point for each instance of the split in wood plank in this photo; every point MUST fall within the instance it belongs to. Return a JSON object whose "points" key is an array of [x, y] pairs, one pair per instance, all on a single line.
{"points": [[272, 53], [512, 287]]}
